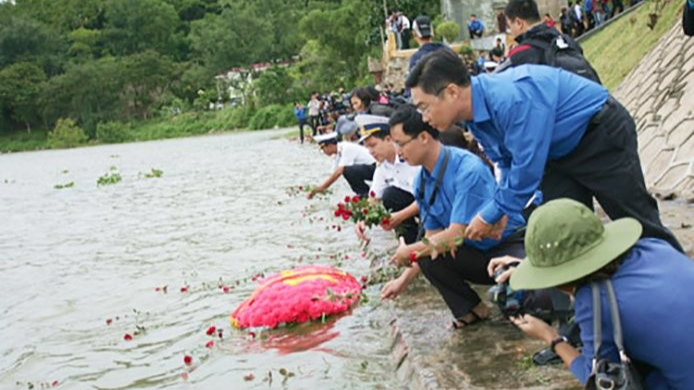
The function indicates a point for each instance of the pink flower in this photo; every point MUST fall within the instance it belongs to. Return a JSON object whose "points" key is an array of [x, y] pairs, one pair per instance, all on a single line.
{"points": [[157, 289], [211, 330], [127, 337], [209, 344], [184, 376], [364, 279], [188, 360], [55, 383], [225, 289]]}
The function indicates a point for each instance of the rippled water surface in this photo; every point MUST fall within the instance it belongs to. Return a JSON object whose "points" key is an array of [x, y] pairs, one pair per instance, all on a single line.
{"points": [[70, 259]]}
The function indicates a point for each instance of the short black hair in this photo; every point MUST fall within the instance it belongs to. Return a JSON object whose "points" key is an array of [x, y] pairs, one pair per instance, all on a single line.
{"points": [[412, 122], [381, 134], [435, 71], [523, 9]]}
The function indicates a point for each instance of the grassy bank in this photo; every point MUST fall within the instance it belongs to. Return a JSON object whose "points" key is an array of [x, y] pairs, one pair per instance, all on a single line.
{"points": [[181, 125], [617, 50]]}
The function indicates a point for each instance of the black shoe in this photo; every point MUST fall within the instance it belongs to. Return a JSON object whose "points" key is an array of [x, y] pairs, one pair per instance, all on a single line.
{"points": [[546, 357]]}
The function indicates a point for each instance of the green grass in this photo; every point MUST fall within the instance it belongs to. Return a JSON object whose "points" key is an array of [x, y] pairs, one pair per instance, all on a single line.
{"points": [[17, 141], [618, 49]]}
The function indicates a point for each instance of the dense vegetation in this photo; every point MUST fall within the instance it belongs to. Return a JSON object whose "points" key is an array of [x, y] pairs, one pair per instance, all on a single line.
{"points": [[110, 66]]}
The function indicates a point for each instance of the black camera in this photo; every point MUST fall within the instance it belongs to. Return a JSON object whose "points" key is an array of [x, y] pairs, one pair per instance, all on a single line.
{"points": [[547, 304]]}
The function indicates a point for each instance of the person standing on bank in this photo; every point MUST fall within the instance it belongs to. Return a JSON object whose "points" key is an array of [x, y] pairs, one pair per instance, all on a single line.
{"points": [[451, 189], [352, 161], [393, 179], [423, 31], [569, 247], [545, 128], [536, 40], [314, 113], [300, 113]]}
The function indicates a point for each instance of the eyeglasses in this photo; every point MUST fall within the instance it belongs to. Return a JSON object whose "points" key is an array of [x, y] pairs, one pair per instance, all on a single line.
{"points": [[425, 110], [402, 145]]}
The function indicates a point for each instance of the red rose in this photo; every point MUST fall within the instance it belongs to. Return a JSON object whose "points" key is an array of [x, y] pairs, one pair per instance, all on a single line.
{"points": [[355, 198], [385, 221], [249, 377], [127, 337], [157, 289], [109, 321], [225, 289], [364, 279], [188, 360], [339, 229], [301, 188], [347, 199], [251, 335], [209, 344], [345, 216], [372, 194], [184, 289], [365, 211], [211, 330], [338, 212], [55, 383], [346, 257], [413, 257]]}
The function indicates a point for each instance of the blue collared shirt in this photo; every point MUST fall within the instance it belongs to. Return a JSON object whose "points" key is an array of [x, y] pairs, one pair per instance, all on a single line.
{"points": [[653, 286], [466, 186], [524, 117]]}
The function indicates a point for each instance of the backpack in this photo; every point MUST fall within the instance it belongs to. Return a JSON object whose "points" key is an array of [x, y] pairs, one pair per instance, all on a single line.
{"points": [[563, 52]]}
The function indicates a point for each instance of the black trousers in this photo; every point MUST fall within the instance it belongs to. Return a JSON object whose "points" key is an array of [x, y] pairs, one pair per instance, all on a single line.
{"points": [[396, 199], [314, 122], [606, 165], [450, 275], [302, 123], [357, 176]]}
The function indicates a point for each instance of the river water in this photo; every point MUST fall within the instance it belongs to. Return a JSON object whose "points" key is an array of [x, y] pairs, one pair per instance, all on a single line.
{"points": [[72, 259]]}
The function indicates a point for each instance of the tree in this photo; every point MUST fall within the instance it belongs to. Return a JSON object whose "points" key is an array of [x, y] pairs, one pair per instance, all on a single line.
{"points": [[20, 87], [237, 37], [26, 40], [134, 26], [272, 85], [146, 78]]}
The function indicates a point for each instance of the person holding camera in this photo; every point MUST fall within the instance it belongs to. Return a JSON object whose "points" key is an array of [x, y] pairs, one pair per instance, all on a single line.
{"points": [[646, 280]]}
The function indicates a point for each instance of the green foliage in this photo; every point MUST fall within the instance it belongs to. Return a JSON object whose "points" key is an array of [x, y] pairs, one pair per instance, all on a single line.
{"points": [[155, 173], [466, 51], [109, 178], [138, 25], [20, 88], [66, 185], [448, 30], [112, 132], [272, 116], [272, 86], [66, 134]]}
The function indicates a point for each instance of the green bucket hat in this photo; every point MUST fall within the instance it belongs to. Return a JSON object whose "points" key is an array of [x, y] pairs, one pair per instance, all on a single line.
{"points": [[566, 241]]}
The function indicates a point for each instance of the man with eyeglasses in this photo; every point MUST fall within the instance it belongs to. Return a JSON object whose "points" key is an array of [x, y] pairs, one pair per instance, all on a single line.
{"points": [[452, 187], [544, 128]]}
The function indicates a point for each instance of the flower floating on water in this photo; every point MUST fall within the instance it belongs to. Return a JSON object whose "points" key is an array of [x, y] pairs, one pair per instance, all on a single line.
{"points": [[209, 344], [109, 321], [127, 337], [211, 330], [249, 377], [226, 289], [55, 383], [184, 289], [184, 376], [188, 360]]}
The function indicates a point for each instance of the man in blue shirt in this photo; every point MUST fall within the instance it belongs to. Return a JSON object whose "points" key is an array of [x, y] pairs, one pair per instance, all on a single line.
{"points": [[300, 113], [453, 186], [475, 27], [544, 128]]}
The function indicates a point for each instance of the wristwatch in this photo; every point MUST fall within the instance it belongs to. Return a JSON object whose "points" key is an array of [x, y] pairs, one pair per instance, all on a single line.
{"points": [[559, 339]]}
